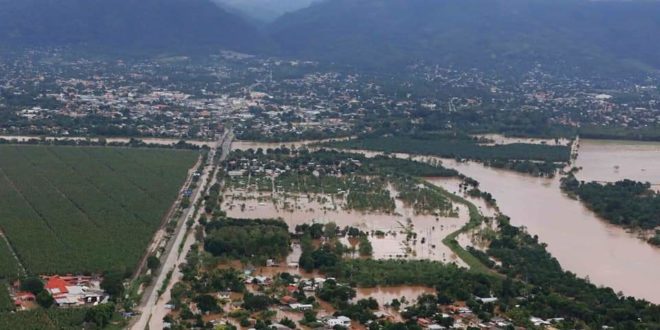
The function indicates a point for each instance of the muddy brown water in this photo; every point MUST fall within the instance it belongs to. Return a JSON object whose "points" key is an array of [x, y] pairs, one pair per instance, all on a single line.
{"points": [[582, 242], [609, 161]]}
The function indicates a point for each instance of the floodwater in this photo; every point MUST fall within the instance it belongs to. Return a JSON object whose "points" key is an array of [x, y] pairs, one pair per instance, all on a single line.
{"points": [[385, 295], [429, 229], [499, 139], [583, 243], [609, 161], [245, 145]]}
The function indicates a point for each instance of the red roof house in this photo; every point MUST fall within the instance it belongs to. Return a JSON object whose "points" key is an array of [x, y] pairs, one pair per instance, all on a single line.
{"points": [[56, 286]]}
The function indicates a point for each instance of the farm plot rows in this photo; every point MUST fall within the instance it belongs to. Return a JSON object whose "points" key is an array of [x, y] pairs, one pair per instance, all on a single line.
{"points": [[52, 319], [81, 209], [6, 304], [8, 264]]}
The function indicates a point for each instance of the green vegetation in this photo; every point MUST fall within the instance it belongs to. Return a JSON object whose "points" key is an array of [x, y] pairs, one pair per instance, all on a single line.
{"points": [[78, 200], [554, 291], [365, 248], [655, 240], [424, 198], [544, 169], [247, 238], [369, 196], [459, 146], [358, 182], [620, 133], [5, 300], [9, 267], [52, 319], [624, 203]]}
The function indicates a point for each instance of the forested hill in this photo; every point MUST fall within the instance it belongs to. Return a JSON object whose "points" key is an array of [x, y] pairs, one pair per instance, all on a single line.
{"points": [[570, 36], [597, 36], [144, 25]]}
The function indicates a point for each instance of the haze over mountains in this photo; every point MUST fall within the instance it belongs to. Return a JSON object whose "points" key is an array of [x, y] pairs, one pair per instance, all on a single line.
{"points": [[565, 34], [266, 10], [159, 25]]}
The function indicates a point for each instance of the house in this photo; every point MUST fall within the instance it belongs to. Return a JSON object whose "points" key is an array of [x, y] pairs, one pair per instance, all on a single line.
{"points": [[288, 300], [75, 290], [339, 321], [435, 327], [538, 321], [56, 286], [486, 300], [23, 300], [301, 307]]}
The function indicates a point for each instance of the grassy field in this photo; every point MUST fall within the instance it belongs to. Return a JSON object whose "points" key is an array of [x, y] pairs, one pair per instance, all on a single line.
{"points": [[85, 209]]}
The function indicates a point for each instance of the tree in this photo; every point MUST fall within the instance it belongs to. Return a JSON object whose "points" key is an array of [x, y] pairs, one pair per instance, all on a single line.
{"points": [[330, 230], [100, 314], [288, 322], [366, 249], [32, 284], [207, 303], [256, 302], [153, 263], [112, 283], [44, 299]]}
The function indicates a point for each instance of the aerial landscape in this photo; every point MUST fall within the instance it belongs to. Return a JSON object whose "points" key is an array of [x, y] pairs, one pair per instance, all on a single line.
{"points": [[329, 164]]}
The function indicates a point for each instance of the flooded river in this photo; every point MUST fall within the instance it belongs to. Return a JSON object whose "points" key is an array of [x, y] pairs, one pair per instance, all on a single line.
{"points": [[582, 242], [608, 161]]}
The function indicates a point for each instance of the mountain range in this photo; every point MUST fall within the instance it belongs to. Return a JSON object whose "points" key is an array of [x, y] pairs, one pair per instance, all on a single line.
{"points": [[145, 25], [599, 36], [476, 33]]}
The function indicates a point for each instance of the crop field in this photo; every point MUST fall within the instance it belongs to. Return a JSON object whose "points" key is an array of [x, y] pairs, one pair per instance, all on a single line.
{"points": [[85, 209], [8, 264], [6, 304], [55, 319]]}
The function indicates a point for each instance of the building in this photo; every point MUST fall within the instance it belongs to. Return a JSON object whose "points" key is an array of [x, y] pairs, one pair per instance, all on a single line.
{"points": [[342, 321], [75, 290]]}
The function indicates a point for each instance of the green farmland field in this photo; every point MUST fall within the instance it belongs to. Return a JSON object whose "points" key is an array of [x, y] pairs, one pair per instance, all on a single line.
{"points": [[84, 209]]}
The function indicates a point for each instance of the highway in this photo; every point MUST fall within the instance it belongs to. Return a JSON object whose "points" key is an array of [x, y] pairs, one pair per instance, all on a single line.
{"points": [[152, 308]]}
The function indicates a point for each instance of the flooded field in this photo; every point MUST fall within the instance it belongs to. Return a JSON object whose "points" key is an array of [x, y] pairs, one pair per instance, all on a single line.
{"points": [[582, 242], [609, 161], [501, 139], [245, 145], [452, 185], [389, 232], [385, 295]]}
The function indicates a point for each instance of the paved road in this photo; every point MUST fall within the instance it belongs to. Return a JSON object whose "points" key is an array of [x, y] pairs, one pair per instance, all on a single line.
{"points": [[153, 307]]}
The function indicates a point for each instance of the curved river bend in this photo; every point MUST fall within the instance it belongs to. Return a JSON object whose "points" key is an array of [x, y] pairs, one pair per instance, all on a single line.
{"points": [[582, 242]]}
